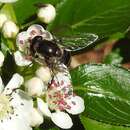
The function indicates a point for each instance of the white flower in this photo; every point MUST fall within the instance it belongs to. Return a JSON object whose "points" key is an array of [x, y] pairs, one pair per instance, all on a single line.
{"points": [[7, 1], [59, 97], [36, 118], [23, 42], [1, 58], [35, 87], [47, 14], [3, 18], [15, 106], [20, 59], [44, 74], [10, 29]]}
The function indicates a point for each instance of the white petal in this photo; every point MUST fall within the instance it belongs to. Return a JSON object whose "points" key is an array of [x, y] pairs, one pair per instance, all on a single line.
{"points": [[47, 35], [15, 82], [37, 118], [47, 14], [35, 30], [23, 105], [1, 85], [8, 1], [22, 41], [43, 107], [1, 58], [44, 74], [15, 123], [35, 87], [77, 105], [62, 120], [20, 59]]}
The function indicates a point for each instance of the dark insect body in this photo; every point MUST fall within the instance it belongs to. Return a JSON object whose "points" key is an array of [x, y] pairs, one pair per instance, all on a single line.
{"points": [[50, 51]]}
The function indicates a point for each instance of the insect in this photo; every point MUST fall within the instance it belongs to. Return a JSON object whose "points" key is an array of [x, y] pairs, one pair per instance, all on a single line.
{"points": [[40, 45], [56, 52]]}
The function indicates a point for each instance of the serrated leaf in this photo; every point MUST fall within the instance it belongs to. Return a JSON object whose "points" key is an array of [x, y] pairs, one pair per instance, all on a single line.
{"points": [[79, 41], [101, 17], [90, 124], [106, 91]]}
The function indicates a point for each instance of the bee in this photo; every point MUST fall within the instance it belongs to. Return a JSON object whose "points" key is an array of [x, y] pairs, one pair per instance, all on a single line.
{"points": [[57, 56], [56, 53], [41, 46]]}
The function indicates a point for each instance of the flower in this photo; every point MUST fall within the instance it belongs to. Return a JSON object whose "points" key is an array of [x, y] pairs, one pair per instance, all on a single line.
{"points": [[44, 74], [47, 13], [7, 1], [10, 29], [37, 85], [15, 106], [58, 99], [23, 56], [34, 87]]}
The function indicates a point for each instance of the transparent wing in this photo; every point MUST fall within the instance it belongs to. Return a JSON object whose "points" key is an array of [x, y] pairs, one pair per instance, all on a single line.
{"points": [[78, 41]]}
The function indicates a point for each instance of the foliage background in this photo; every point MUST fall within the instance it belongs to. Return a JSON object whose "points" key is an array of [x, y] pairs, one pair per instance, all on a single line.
{"points": [[105, 88]]}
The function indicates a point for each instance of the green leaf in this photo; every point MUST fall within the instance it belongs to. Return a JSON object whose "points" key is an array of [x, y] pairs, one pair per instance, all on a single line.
{"points": [[113, 58], [101, 17], [90, 124], [106, 91]]}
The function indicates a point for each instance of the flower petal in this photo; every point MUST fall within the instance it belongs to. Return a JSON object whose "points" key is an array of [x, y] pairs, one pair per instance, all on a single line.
{"points": [[77, 105], [23, 105], [20, 59], [44, 74], [20, 119], [37, 118], [43, 107], [35, 87], [35, 30], [62, 120], [1, 58], [22, 41], [47, 35], [15, 82]]}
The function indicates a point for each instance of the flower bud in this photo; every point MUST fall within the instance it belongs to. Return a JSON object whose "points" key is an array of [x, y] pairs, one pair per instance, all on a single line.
{"points": [[10, 29], [36, 118], [3, 18], [47, 14], [44, 74], [35, 87]]}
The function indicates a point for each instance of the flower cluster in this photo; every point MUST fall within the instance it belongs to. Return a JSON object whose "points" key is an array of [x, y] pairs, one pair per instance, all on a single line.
{"points": [[53, 92], [16, 107]]}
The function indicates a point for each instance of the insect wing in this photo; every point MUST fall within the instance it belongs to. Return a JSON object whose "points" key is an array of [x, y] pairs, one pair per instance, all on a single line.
{"points": [[78, 41]]}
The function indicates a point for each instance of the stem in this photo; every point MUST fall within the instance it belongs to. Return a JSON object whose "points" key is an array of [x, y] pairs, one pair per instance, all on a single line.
{"points": [[28, 24]]}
